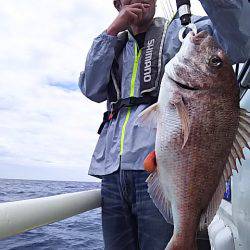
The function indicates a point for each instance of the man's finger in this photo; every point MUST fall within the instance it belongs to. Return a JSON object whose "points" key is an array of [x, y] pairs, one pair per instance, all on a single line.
{"points": [[138, 12], [138, 5], [133, 16]]}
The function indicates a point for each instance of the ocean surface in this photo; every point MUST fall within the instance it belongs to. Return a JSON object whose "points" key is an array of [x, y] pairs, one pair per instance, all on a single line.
{"points": [[79, 232]]}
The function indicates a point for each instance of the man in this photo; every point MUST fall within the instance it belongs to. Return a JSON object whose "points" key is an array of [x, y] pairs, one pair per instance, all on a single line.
{"points": [[118, 70]]}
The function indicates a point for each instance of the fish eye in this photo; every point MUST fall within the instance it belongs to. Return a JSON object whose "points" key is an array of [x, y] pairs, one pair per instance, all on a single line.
{"points": [[215, 62]]}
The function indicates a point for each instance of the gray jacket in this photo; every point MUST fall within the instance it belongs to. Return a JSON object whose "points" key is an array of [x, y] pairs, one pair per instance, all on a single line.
{"points": [[122, 142]]}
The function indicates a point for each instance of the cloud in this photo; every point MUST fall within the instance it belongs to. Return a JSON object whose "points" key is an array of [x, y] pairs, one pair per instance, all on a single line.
{"points": [[43, 49], [46, 122]]}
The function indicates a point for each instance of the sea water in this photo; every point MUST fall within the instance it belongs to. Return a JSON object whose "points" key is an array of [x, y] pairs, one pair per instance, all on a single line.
{"points": [[79, 232]]}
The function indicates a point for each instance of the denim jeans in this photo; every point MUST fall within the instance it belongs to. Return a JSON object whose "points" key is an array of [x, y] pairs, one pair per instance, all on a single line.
{"points": [[130, 219]]}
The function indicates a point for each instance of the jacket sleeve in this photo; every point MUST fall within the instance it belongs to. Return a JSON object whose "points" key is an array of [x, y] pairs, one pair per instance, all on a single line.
{"points": [[94, 79], [231, 26]]}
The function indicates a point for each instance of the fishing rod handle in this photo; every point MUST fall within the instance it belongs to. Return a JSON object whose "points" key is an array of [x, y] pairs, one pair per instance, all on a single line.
{"points": [[184, 11]]}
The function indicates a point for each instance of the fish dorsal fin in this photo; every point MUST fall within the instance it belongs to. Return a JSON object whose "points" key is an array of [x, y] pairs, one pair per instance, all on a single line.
{"points": [[148, 117], [156, 193], [241, 141], [185, 124]]}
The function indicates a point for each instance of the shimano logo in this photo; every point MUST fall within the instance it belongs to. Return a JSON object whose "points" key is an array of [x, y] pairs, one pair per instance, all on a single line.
{"points": [[148, 58]]}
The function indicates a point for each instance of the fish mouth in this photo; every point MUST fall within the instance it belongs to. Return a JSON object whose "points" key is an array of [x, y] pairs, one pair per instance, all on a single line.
{"points": [[182, 85]]}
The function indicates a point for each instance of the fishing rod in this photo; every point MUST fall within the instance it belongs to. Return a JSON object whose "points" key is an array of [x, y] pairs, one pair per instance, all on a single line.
{"points": [[184, 11]]}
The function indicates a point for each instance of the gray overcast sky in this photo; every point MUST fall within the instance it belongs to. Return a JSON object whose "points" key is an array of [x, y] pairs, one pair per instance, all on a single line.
{"points": [[48, 128]]}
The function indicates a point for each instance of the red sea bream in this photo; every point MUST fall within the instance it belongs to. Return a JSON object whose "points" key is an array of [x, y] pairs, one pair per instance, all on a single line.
{"points": [[201, 131]]}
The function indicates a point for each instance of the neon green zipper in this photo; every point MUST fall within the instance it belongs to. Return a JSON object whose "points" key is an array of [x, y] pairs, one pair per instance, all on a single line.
{"points": [[132, 91]]}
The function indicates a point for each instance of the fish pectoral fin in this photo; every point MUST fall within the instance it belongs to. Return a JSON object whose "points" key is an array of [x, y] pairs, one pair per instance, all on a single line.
{"points": [[150, 162], [148, 117], [159, 198], [183, 113]]}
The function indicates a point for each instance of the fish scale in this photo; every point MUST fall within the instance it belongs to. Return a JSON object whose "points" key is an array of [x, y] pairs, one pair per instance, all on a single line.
{"points": [[201, 131]]}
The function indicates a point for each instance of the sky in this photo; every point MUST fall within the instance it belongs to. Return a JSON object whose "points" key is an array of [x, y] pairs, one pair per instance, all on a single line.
{"points": [[47, 127]]}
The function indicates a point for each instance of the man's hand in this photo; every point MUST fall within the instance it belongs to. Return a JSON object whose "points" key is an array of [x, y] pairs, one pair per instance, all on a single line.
{"points": [[128, 15]]}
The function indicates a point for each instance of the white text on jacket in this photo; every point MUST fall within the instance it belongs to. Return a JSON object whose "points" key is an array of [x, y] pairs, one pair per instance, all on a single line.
{"points": [[148, 58]]}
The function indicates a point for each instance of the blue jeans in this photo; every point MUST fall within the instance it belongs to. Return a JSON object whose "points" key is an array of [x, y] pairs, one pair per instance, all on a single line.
{"points": [[130, 219]]}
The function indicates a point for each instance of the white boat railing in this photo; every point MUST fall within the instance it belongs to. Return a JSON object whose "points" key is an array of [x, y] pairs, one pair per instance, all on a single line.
{"points": [[20, 216]]}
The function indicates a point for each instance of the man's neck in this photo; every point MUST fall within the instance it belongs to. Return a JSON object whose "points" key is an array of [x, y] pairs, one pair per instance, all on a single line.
{"points": [[137, 29]]}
